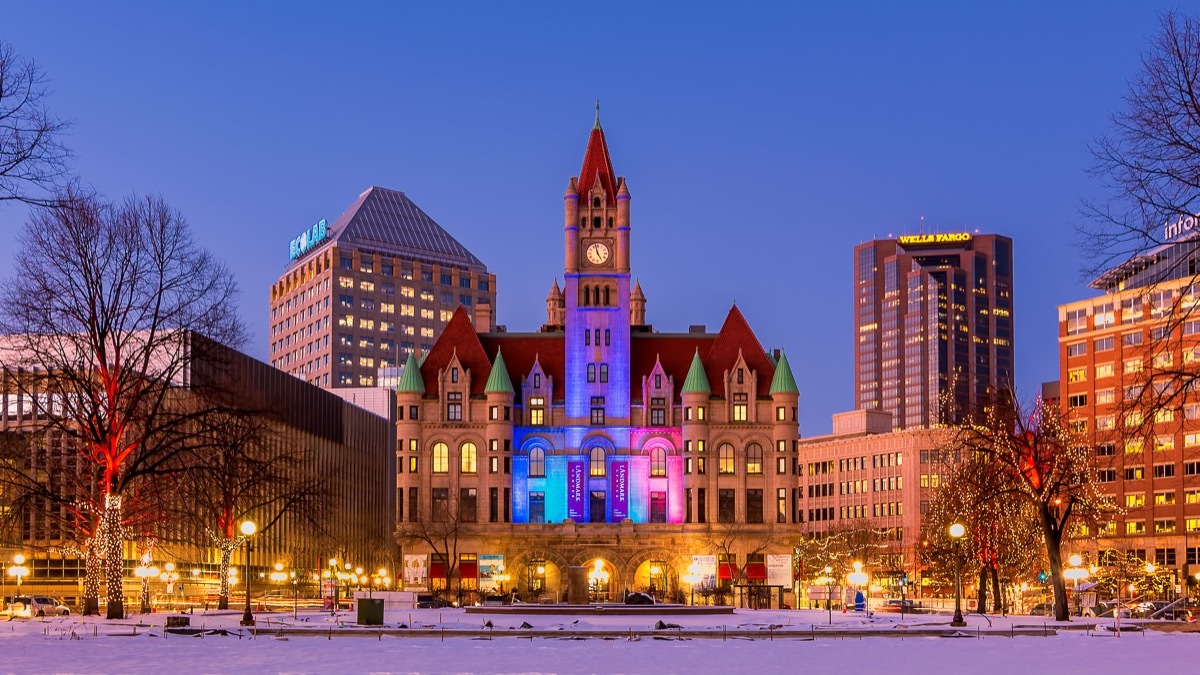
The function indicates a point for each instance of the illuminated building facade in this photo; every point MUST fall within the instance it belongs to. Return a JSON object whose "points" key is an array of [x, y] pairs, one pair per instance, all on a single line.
{"points": [[933, 324], [598, 441], [1128, 362], [362, 293]]}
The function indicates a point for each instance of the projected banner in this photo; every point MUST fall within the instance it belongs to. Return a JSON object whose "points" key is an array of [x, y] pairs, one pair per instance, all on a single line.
{"points": [[575, 490], [490, 565], [619, 491]]}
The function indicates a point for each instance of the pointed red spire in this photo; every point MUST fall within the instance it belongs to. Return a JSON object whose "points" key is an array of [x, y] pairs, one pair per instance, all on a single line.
{"points": [[597, 166]]}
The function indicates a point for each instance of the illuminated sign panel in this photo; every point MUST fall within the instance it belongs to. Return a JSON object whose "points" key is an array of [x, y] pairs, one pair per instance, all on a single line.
{"points": [[575, 501], [1182, 225], [933, 239], [308, 239], [619, 491]]}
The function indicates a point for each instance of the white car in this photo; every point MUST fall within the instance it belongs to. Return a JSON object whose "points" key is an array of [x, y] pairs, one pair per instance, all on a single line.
{"points": [[36, 605]]}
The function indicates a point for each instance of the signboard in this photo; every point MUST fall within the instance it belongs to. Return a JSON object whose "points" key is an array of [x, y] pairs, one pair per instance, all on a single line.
{"points": [[1181, 226], [328, 589], [932, 239], [416, 572], [309, 238], [706, 568], [575, 490], [490, 565], [779, 570], [619, 490]]}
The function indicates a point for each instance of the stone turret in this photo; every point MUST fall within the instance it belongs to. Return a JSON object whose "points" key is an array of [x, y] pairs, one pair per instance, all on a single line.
{"points": [[637, 305], [556, 307]]}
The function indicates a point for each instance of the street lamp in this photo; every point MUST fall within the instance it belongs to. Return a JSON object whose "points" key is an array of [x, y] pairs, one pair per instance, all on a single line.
{"points": [[692, 578], [859, 578], [1075, 573], [169, 577], [827, 581], [18, 570], [957, 531], [145, 572], [248, 529]]}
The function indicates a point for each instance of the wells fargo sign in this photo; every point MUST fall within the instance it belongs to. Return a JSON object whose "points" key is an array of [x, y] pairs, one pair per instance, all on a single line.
{"points": [[929, 239]]}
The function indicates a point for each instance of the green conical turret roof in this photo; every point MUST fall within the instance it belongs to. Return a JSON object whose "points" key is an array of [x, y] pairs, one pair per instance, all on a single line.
{"points": [[498, 382], [411, 380], [697, 381], [783, 382]]}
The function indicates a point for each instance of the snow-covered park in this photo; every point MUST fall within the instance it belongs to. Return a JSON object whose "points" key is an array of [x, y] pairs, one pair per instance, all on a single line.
{"points": [[450, 640]]}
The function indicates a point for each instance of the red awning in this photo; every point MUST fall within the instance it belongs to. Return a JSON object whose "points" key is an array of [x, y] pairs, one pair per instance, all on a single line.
{"points": [[468, 570], [726, 570], [437, 570], [756, 570]]}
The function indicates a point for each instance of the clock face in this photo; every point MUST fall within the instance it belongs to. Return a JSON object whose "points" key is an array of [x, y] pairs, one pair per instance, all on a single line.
{"points": [[597, 254]]}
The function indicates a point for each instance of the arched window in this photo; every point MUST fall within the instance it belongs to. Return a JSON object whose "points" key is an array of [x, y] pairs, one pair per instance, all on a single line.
{"points": [[537, 463], [441, 458], [754, 458], [467, 458], [596, 202], [610, 221], [596, 222], [587, 295], [725, 458], [658, 462], [597, 463], [596, 296], [607, 300], [583, 222]]}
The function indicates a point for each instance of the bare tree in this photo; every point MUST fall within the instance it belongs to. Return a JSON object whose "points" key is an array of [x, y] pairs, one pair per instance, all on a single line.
{"points": [[33, 159], [239, 467], [438, 529], [1041, 463], [103, 301], [728, 539]]}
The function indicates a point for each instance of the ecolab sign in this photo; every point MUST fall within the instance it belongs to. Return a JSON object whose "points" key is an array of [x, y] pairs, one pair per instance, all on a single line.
{"points": [[311, 237]]}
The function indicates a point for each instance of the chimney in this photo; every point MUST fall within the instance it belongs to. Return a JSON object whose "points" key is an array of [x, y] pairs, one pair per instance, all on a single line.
{"points": [[483, 317]]}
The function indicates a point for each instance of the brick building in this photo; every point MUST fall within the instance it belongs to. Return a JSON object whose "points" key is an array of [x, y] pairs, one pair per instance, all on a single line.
{"points": [[597, 441]]}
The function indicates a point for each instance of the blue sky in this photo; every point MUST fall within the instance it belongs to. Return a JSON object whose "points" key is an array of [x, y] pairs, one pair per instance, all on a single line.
{"points": [[761, 142]]}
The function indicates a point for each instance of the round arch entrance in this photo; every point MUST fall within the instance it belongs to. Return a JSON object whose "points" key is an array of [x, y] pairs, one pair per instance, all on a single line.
{"points": [[600, 575]]}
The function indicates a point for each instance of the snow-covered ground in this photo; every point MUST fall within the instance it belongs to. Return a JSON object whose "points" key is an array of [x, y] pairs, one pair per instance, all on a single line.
{"points": [[72, 645]]}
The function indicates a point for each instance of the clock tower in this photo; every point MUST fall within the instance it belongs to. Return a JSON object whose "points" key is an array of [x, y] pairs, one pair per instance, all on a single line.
{"points": [[596, 295]]}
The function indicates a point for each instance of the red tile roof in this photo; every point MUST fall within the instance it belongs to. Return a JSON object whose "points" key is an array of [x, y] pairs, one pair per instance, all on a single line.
{"points": [[597, 166], [718, 352]]}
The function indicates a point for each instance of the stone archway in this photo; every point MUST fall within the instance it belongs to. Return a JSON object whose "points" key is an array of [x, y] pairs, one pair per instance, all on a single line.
{"points": [[548, 582], [658, 570]]}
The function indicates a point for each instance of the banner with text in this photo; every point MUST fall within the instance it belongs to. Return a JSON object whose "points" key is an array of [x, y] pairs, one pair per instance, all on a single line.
{"points": [[490, 566], [706, 568], [576, 470], [779, 570], [619, 491]]}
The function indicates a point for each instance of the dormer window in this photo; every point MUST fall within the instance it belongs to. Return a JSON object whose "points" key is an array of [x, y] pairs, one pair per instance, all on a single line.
{"points": [[596, 202], [454, 375], [658, 381], [537, 380], [741, 376], [596, 222]]}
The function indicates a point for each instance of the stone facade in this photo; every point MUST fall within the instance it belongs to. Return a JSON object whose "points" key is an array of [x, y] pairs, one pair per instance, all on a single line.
{"points": [[596, 441]]}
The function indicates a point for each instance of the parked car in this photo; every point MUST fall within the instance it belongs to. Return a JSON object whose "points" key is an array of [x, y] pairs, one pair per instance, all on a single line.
{"points": [[1161, 609], [429, 601], [36, 605], [1044, 609], [1107, 610], [907, 606]]}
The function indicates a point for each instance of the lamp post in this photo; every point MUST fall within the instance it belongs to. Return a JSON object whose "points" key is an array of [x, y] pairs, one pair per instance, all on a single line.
{"points": [[169, 577], [145, 572], [828, 581], [18, 570], [692, 578], [859, 578], [331, 574], [1076, 572], [248, 529], [957, 531]]}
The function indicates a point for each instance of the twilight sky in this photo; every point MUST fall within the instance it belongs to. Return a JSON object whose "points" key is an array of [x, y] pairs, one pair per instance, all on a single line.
{"points": [[760, 142]]}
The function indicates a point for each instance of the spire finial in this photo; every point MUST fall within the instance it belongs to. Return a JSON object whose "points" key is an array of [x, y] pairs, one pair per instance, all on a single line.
{"points": [[597, 114]]}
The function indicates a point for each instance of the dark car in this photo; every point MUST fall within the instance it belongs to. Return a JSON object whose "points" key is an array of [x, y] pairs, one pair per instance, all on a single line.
{"points": [[906, 606], [428, 601]]}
